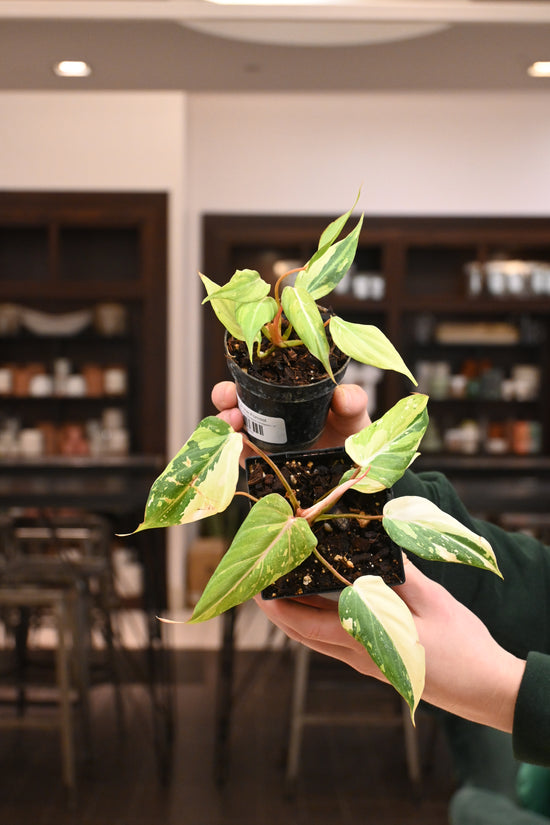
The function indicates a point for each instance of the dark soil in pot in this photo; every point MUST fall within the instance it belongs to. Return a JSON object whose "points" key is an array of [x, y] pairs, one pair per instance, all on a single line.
{"points": [[285, 366], [354, 546], [284, 397]]}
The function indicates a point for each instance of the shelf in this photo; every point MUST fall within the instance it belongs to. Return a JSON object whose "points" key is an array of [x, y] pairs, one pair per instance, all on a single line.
{"points": [[66, 252]]}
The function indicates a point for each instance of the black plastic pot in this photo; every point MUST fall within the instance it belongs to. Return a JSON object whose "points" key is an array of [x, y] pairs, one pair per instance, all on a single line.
{"points": [[282, 417], [354, 547]]}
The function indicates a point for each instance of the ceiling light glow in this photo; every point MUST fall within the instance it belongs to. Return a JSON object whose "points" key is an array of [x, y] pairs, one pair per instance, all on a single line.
{"points": [[72, 68], [541, 68]]}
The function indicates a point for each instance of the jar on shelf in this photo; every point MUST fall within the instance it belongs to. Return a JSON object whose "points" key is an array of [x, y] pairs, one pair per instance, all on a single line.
{"points": [[93, 377], [115, 380], [110, 319]]}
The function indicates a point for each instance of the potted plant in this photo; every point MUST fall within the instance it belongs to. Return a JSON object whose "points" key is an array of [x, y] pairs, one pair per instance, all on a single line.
{"points": [[281, 531], [286, 352]]}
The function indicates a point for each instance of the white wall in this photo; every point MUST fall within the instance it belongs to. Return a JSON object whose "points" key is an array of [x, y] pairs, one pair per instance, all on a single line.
{"points": [[460, 153]]}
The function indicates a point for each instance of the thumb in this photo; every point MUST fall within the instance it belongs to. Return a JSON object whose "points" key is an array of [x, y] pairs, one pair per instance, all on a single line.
{"points": [[418, 591]]}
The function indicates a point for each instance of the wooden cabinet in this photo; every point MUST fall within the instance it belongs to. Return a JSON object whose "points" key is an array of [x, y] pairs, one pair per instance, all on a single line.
{"points": [[475, 335], [83, 358], [83, 322]]}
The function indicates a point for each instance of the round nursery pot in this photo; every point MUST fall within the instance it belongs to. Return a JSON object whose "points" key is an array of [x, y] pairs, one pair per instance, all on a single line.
{"points": [[353, 546], [283, 416]]}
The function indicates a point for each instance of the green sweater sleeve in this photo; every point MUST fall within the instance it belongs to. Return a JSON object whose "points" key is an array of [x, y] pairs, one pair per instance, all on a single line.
{"points": [[531, 734], [516, 609]]}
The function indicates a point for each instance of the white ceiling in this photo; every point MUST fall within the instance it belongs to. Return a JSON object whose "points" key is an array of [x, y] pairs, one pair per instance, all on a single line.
{"points": [[154, 44]]}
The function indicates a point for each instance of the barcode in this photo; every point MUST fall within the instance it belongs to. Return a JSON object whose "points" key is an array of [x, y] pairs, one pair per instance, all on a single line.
{"points": [[254, 427]]}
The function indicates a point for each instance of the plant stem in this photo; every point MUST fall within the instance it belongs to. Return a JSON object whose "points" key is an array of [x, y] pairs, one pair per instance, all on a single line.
{"points": [[247, 495], [329, 567], [358, 516], [289, 491], [317, 509], [281, 279]]}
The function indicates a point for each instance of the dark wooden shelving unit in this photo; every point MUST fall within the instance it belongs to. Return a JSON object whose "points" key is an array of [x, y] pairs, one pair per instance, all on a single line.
{"points": [[63, 252], [422, 261]]}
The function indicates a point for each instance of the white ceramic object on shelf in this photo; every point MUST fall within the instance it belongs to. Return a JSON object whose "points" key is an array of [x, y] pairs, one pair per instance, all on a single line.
{"points": [[63, 324]]}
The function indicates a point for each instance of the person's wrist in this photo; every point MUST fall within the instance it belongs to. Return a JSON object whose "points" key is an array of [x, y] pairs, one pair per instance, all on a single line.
{"points": [[501, 703]]}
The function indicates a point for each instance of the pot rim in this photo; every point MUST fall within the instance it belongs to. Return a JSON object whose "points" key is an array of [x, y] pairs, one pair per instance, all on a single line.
{"points": [[261, 382]]}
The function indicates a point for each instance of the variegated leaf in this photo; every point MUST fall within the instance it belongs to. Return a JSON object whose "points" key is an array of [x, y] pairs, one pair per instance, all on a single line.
{"points": [[303, 313], [418, 525], [245, 285], [389, 445], [199, 481], [367, 344], [376, 617], [270, 542], [224, 308], [252, 317], [327, 268], [332, 231]]}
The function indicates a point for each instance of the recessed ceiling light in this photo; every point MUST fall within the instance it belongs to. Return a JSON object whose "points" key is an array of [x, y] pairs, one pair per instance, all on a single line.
{"points": [[72, 68], [541, 68]]}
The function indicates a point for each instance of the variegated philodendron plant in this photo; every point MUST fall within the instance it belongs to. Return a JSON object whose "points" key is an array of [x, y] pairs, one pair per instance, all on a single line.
{"points": [[249, 313], [277, 534]]}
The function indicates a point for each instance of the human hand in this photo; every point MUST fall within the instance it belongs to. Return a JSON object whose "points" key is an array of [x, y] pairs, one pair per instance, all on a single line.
{"points": [[347, 414], [467, 672]]}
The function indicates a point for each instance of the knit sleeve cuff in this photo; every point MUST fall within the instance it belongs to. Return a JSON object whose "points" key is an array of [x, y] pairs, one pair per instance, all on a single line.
{"points": [[531, 733]]}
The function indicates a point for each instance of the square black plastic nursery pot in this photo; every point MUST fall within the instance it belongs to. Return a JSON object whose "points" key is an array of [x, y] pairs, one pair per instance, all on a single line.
{"points": [[354, 546]]}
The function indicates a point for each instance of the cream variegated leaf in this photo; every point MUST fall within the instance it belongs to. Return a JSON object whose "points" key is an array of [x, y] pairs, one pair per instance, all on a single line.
{"points": [[418, 525], [302, 312], [270, 542], [251, 317], [244, 286], [389, 445], [224, 309], [376, 617], [330, 263], [199, 481], [368, 345]]}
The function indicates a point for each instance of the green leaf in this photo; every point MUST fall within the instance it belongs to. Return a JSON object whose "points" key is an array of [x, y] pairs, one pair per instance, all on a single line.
{"points": [[420, 526], [334, 228], [270, 542], [389, 445], [245, 285], [378, 619], [252, 317], [224, 309], [303, 313], [327, 268], [367, 344], [199, 481]]}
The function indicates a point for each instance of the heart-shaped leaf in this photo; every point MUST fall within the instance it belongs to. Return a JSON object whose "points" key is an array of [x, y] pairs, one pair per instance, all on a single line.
{"points": [[303, 313], [270, 542], [224, 309], [199, 481], [367, 344], [252, 317], [245, 285], [420, 526], [389, 445], [329, 265], [376, 617]]}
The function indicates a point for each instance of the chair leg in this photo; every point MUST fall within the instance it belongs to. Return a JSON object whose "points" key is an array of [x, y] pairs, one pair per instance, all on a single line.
{"points": [[65, 710], [412, 749], [299, 688], [81, 661], [21, 635]]}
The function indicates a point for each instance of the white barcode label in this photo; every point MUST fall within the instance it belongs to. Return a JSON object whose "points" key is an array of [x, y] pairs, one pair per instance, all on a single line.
{"points": [[263, 427]]}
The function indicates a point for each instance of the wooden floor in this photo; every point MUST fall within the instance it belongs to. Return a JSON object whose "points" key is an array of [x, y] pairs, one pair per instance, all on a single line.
{"points": [[355, 776]]}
